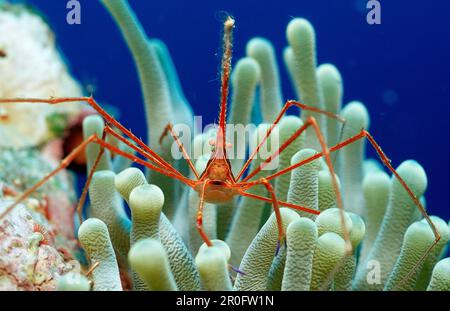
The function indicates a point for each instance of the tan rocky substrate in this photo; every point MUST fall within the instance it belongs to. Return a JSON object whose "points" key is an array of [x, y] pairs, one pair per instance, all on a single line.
{"points": [[29, 256]]}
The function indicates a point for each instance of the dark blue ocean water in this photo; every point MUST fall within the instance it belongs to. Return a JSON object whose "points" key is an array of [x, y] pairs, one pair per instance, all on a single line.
{"points": [[399, 69]]}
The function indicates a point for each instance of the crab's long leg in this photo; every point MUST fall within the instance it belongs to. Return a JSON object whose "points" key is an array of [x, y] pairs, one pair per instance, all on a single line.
{"points": [[139, 150], [106, 130], [276, 208], [311, 122], [201, 204], [75, 152], [281, 203], [361, 135], [108, 118], [89, 178], [169, 129], [286, 144], [149, 165], [286, 106], [142, 152]]}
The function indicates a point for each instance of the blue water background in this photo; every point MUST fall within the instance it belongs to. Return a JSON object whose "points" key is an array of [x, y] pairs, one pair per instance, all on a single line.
{"points": [[399, 69]]}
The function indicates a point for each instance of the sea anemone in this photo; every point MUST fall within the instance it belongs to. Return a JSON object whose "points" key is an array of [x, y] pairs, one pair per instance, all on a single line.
{"points": [[159, 248]]}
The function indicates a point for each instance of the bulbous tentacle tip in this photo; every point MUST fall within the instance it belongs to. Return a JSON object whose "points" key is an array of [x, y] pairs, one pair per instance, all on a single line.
{"points": [[299, 30], [329, 73], [246, 72], [414, 175], [440, 279], [356, 118], [146, 197], [93, 124]]}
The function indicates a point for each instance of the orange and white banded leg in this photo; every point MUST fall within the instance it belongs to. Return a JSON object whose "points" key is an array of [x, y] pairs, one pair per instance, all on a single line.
{"points": [[287, 105], [169, 129], [311, 122], [108, 119], [91, 172], [276, 207], [199, 222], [361, 135], [74, 153]]}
